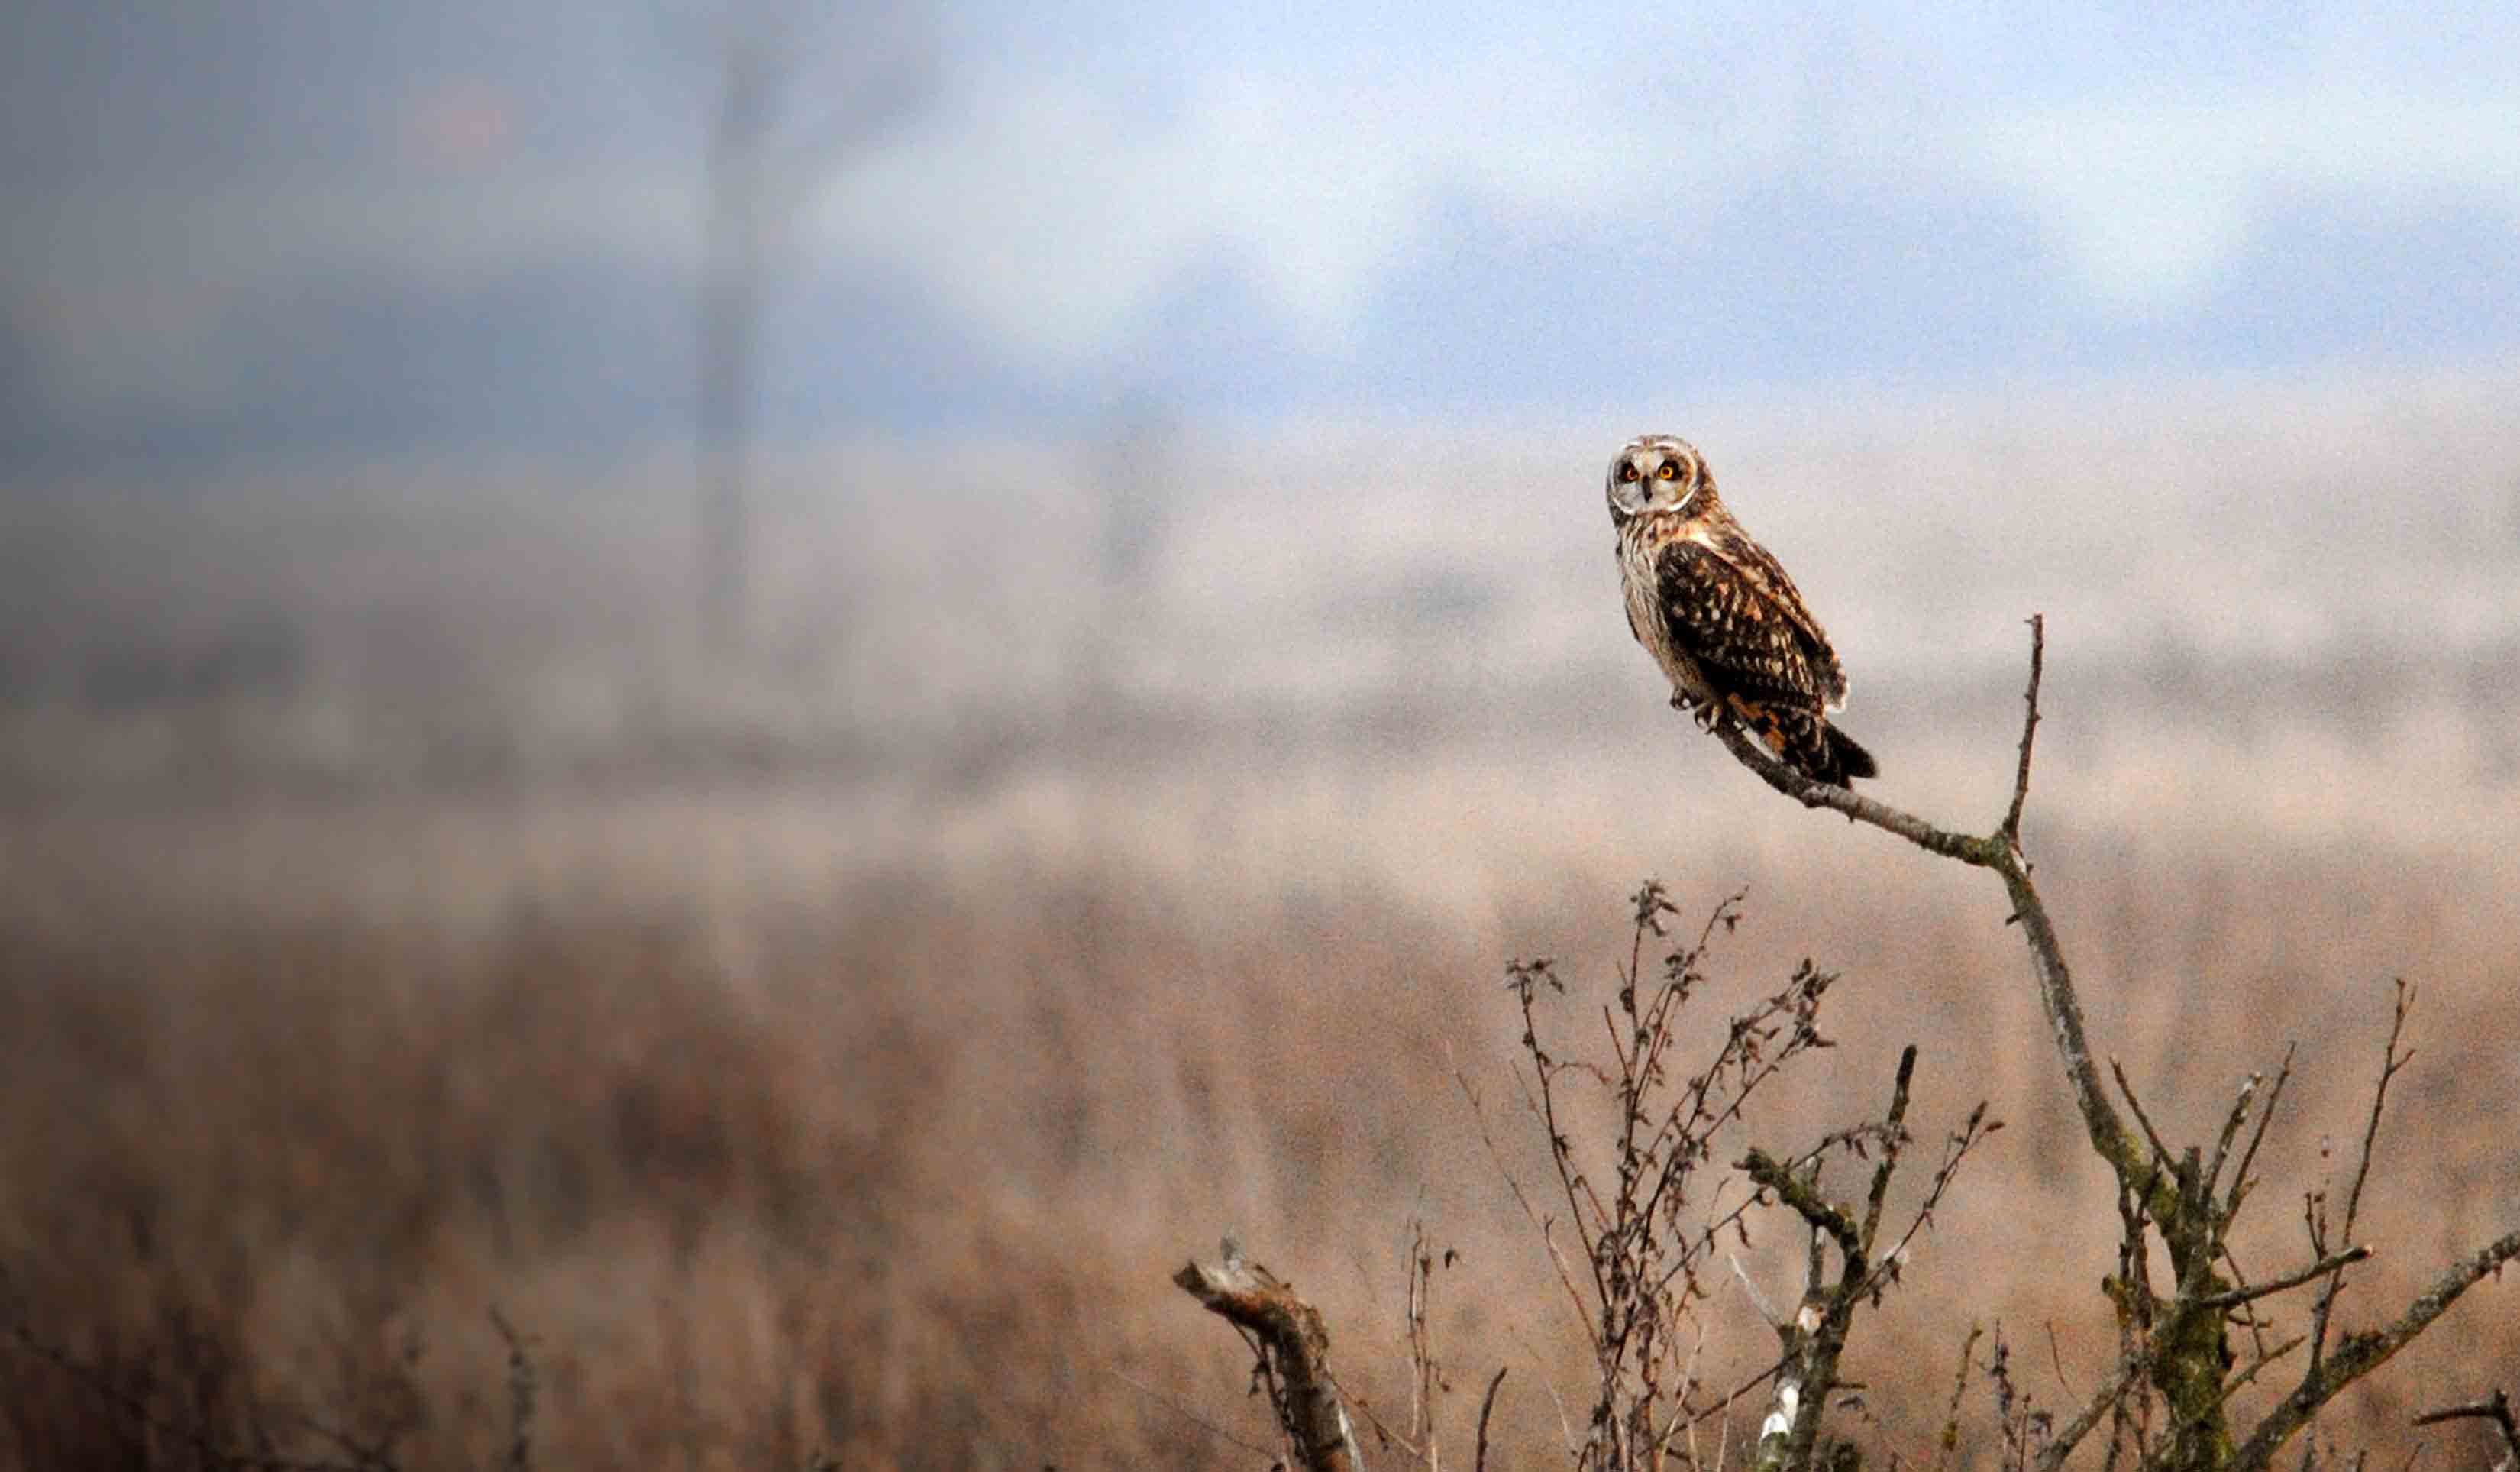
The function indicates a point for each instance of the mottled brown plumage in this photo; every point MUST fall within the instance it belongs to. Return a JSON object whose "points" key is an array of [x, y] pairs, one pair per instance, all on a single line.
{"points": [[1720, 618]]}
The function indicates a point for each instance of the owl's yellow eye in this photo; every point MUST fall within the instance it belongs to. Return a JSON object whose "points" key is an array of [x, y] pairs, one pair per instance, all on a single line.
{"points": [[1627, 475], [1669, 472]]}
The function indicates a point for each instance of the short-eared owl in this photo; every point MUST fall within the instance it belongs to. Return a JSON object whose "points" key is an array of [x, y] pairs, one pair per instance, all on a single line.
{"points": [[1720, 617]]}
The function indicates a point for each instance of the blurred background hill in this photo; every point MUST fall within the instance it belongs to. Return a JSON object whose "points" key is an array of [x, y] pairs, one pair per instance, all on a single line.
{"points": [[1173, 610]]}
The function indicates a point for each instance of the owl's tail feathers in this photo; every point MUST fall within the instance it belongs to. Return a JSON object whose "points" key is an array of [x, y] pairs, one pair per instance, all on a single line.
{"points": [[1846, 760], [1806, 742]]}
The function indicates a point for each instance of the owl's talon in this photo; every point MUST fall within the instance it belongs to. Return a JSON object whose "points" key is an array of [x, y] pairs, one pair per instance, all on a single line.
{"points": [[1704, 713]]}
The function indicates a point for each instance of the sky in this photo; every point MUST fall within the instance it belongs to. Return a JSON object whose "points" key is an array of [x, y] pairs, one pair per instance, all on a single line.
{"points": [[240, 226]]}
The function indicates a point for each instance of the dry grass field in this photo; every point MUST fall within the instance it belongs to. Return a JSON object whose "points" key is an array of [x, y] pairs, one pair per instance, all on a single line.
{"points": [[839, 1064]]}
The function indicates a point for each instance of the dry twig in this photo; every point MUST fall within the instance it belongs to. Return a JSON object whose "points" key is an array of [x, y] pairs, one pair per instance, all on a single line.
{"points": [[1294, 1354], [2497, 1409]]}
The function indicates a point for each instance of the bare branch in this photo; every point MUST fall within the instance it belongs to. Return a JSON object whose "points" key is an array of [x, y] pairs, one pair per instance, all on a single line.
{"points": [[1894, 1134], [1768, 1313], [1569, 1179], [1487, 1408], [1815, 1249], [1966, 847], [1422, 1355], [2001, 852], [2241, 1279], [2180, 1342], [2102, 1402], [1295, 1345], [2258, 1366], [1949, 1440], [2334, 1263], [1972, 1131], [2231, 1124], [2161, 1152], [2497, 1409], [1806, 1202], [1815, 1337], [2168, 1329], [1387, 1436], [2056, 1359], [1707, 1412], [522, 1383], [2106, 1131], [2239, 1187], [2390, 1061], [2012, 829], [1531, 1214], [2360, 1353]]}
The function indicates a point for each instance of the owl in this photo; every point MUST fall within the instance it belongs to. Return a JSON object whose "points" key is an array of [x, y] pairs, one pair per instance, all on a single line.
{"points": [[1720, 617]]}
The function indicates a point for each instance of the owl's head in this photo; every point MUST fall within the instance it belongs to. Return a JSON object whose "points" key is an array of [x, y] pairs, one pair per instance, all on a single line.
{"points": [[1656, 473]]}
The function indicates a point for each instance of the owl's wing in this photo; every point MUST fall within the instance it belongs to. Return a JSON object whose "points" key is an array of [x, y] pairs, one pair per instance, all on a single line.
{"points": [[1738, 614]]}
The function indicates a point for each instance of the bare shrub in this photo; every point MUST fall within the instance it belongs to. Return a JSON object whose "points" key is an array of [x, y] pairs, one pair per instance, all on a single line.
{"points": [[1633, 1128], [2168, 1399]]}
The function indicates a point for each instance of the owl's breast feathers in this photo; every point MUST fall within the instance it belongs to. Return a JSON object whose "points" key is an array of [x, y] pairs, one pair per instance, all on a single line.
{"points": [[1726, 624]]}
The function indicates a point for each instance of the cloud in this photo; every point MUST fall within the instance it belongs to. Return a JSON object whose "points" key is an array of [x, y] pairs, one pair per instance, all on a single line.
{"points": [[1055, 218], [2152, 199]]}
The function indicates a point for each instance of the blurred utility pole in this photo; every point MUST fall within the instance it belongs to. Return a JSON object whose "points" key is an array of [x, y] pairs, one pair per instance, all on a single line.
{"points": [[1135, 481], [766, 156]]}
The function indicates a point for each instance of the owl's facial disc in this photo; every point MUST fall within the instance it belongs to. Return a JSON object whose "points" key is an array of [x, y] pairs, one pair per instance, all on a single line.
{"points": [[1654, 472], [1632, 487]]}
